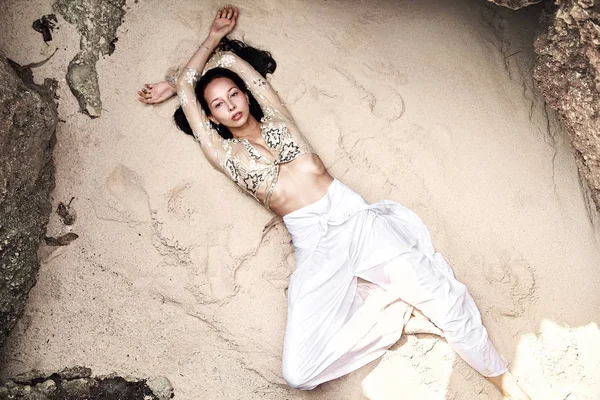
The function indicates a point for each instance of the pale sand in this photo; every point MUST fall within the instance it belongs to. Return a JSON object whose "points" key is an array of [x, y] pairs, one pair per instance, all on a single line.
{"points": [[410, 101]]}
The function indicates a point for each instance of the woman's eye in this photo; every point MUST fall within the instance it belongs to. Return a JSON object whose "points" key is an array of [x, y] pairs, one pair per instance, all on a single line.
{"points": [[234, 94], [218, 104]]}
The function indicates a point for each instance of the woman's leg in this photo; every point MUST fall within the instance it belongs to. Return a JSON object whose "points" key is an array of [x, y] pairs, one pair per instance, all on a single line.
{"points": [[315, 351], [508, 386], [428, 284]]}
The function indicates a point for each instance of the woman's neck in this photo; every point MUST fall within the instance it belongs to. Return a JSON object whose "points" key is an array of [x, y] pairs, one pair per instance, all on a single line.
{"points": [[251, 129]]}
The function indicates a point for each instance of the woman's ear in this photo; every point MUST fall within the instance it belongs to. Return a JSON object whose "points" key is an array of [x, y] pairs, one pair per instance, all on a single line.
{"points": [[213, 119], [247, 98]]}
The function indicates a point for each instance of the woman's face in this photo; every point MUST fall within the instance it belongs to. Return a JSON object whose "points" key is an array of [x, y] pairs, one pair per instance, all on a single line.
{"points": [[227, 103]]}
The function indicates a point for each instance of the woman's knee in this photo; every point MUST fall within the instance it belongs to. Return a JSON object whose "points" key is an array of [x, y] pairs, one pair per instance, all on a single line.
{"points": [[293, 376]]}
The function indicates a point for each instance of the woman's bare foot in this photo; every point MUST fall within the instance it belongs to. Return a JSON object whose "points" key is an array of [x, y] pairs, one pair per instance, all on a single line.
{"points": [[156, 92], [508, 386]]}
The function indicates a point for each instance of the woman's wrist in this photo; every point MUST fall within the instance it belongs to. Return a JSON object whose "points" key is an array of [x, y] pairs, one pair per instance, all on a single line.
{"points": [[211, 43]]}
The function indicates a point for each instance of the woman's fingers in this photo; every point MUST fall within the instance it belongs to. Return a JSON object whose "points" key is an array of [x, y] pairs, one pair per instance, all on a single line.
{"points": [[234, 17], [229, 11], [145, 95]]}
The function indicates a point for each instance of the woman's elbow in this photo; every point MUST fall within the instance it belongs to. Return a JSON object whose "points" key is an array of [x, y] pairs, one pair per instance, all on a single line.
{"points": [[179, 84]]}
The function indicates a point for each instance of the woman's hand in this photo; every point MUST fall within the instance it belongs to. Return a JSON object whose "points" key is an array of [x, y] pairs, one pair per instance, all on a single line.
{"points": [[224, 22], [156, 93]]}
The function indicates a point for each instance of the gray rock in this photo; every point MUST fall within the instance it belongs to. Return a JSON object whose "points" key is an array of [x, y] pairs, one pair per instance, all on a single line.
{"points": [[79, 388], [161, 387], [75, 372], [73, 384], [83, 80], [28, 121], [567, 72], [47, 387], [28, 376], [97, 22]]}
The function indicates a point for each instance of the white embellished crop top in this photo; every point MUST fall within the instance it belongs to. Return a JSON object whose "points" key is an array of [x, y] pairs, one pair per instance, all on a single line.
{"points": [[253, 171]]}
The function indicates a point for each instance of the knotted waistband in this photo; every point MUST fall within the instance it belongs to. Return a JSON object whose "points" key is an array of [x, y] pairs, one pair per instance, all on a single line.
{"points": [[336, 207]]}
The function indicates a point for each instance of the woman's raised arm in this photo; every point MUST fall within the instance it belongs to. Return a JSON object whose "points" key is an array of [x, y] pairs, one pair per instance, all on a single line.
{"points": [[186, 81]]}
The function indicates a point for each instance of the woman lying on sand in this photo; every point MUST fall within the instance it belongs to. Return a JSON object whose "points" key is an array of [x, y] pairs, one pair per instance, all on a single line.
{"points": [[354, 261]]}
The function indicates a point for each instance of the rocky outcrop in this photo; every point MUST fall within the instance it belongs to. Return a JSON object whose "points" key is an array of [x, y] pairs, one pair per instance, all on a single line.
{"points": [[77, 383], [28, 121], [97, 22], [515, 4], [567, 72]]}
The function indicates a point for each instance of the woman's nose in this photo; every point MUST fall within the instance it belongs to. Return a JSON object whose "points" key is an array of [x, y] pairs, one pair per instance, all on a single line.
{"points": [[231, 106]]}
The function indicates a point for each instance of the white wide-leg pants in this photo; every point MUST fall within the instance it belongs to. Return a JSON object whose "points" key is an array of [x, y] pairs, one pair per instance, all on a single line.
{"points": [[360, 269]]}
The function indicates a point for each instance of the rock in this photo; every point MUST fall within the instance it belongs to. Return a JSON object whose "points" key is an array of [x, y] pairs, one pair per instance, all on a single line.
{"points": [[76, 372], [47, 387], [78, 383], [515, 4], [567, 72], [83, 81], [97, 22], [28, 121], [161, 387], [29, 376], [78, 388]]}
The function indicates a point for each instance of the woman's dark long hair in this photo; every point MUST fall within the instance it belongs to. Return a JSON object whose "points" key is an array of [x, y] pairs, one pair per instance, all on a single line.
{"points": [[260, 60]]}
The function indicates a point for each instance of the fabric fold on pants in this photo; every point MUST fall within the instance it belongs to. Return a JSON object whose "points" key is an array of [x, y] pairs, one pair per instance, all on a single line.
{"points": [[360, 268]]}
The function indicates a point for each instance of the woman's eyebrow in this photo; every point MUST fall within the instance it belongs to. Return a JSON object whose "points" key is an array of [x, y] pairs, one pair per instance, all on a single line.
{"points": [[230, 89]]}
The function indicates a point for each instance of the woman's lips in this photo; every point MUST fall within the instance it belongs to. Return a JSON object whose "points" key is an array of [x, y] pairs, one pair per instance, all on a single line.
{"points": [[237, 116]]}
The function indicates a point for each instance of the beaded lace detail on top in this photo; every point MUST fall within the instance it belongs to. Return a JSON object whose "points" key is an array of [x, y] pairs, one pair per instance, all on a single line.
{"points": [[254, 172]]}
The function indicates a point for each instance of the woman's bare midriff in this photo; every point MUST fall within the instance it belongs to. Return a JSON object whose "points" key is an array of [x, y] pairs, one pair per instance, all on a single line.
{"points": [[301, 182]]}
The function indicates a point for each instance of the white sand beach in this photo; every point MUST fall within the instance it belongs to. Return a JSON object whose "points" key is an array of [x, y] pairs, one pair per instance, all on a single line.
{"points": [[427, 103]]}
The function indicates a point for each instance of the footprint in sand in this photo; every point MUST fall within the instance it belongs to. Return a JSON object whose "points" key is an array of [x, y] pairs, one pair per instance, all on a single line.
{"points": [[126, 198], [212, 267], [512, 282], [180, 201]]}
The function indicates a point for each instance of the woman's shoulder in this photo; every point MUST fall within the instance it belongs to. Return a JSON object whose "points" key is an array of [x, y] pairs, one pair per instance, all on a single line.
{"points": [[273, 116], [277, 121]]}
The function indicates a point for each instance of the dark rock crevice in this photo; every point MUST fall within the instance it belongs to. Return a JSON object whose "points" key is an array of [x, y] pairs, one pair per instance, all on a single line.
{"points": [[28, 119]]}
